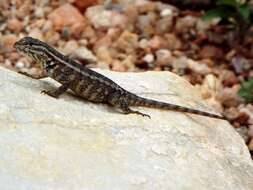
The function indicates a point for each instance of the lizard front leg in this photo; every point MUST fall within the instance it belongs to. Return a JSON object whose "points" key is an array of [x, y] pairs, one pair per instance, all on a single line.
{"points": [[56, 93], [41, 76]]}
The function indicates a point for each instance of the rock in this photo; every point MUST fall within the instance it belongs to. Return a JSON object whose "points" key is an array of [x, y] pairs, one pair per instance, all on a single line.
{"points": [[209, 51], [7, 42], [197, 67], [228, 96], [228, 78], [82, 53], [36, 33], [81, 4], [70, 47], [105, 19], [172, 41], [149, 58], [240, 64], [67, 16], [69, 143], [163, 57], [14, 25], [127, 42]]}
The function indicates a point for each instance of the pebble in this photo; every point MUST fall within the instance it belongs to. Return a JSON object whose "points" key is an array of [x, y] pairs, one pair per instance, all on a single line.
{"points": [[83, 4], [36, 33], [19, 64], [144, 6], [67, 16], [105, 19], [180, 64], [127, 42], [164, 25], [14, 25], [163, 57], [172, 42], [228, 78], [149, 58], [7, 42], [39, 12], [104, 54], [228, 96], [209, 51], [240, 64], [82, 53], [69, 47], [185, 24], [166, 13], [157, 42], [197, 67]]}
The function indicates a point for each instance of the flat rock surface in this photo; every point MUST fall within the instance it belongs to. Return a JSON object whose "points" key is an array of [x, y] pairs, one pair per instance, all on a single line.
{"points": [[69, 143]]}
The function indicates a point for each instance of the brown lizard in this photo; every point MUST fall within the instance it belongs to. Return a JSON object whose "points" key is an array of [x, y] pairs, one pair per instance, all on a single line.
{"points": [[87, 83]]}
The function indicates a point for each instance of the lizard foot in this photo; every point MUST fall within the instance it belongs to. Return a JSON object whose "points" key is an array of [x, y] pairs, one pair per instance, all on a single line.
{"points": [[50, 93]]}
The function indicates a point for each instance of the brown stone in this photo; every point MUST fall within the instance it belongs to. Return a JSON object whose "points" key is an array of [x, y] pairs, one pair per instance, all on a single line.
{"points": [[83, 4], [8, 41], [210, 51], [14, 25], [67, 16]]}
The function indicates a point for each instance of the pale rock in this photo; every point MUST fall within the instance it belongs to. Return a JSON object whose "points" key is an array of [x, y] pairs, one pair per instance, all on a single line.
{"points": [[166, 12], [198, 67], [149, 58], [69, 143], [105, 19], [83, 53]]}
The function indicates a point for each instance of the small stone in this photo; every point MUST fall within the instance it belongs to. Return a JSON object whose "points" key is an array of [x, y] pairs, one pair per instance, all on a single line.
{"points": [[231, 113], [228, 96], [143, 43], [149, 58], [39, 12], [166, 12], [19, 65], [127, 42], [185, 24], [179, 65], [105, 19], [172, 42], [67, 16], [240, 64], [157, 42], [104, 54], [163, 57], [82, 53], [70, 47], [36, 33], [144, 6], [228, 78], [209, 51], [83, 4], [14, 25], [197, 67], [164, 25], [7, 42]]}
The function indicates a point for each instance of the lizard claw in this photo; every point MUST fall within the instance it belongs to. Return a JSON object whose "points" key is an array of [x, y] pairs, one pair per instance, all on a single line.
{"points": [[49, 93]]}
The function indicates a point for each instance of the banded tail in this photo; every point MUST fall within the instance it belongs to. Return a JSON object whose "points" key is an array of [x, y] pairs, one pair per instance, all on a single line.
{"points": [[143, 102]]}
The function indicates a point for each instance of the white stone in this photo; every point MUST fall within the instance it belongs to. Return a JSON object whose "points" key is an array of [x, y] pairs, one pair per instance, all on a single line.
{"points": [[166, 12], [69, 143], [149, 58]]}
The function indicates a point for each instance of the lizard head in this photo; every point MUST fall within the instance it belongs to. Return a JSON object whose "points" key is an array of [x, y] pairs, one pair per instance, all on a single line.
{"points": [[34, 48]]}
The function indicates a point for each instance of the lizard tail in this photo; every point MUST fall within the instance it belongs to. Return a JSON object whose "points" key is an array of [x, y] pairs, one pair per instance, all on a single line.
{"points": [[167, 106]]}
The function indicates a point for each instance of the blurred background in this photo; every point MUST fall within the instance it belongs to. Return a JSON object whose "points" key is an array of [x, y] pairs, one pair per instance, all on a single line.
{"points": [[209, 43]]}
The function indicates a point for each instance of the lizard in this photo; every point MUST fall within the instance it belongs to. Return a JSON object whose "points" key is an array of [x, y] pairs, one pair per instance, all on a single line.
{"points": [[87, 83]]}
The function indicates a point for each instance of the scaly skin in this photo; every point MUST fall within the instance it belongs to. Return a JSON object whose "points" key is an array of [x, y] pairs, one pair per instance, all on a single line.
{"points": [[89, 84]]}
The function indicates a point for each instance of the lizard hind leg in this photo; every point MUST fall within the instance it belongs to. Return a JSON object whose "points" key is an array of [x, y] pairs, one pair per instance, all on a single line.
{"points": [[121, 103]]}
